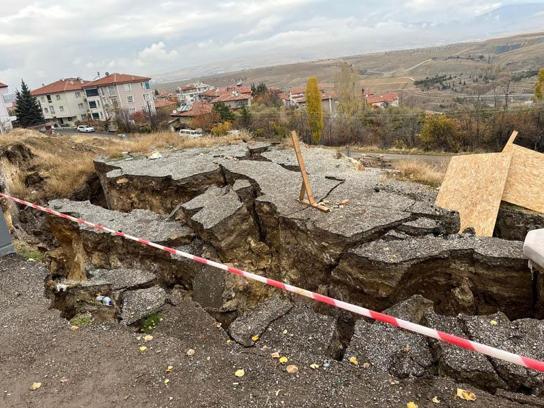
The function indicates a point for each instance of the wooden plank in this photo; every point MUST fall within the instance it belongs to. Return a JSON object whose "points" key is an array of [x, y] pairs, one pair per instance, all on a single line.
{"points": [[510, 141], [525, 182], [473, 186], [302, 166]]}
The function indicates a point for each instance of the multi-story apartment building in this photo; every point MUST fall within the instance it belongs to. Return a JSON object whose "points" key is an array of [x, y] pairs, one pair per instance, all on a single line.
{"points": [[63, 101], [118, 92], [5, 103]]}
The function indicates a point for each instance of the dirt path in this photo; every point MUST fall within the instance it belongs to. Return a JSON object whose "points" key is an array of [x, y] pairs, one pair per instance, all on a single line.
{"points": [[101, 365]]}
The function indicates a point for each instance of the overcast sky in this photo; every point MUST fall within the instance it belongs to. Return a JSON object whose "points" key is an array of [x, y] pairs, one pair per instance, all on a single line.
{"points": [[42, 41]]}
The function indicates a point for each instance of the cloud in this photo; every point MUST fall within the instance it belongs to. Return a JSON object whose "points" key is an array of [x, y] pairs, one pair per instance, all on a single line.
{"points": [[156, 52], [50, 39]]}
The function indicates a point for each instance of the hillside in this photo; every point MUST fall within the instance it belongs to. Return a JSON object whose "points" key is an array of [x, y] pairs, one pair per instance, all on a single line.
{"points": [[397, 70]]}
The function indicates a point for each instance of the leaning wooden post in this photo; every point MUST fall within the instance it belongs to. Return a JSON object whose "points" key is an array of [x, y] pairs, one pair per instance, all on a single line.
{"points": [[305, 188]]}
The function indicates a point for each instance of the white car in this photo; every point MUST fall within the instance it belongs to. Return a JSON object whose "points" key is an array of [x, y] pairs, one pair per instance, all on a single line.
{"points": [[85, 129], [191, 132]]}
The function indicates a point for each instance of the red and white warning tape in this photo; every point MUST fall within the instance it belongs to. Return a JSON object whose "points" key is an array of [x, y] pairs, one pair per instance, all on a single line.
{"points": [[381, 317]]}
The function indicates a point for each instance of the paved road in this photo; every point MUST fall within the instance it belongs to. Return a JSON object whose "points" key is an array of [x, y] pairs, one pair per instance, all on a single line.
{"points": [[437, 160]]}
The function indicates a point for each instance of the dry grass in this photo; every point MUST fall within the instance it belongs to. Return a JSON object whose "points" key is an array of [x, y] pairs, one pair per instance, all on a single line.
{"points": [[419, 172], [66, 162]]}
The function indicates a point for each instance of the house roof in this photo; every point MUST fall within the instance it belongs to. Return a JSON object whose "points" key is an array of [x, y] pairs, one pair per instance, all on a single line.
{"points": [[2, 85], [387, 98], [116, 79], [198, 109], [232, 96], [162, 102], [62, 85]]}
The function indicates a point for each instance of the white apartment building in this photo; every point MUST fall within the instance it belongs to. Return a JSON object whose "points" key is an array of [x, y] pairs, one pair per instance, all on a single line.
{"points": [[5, 103], [63, 101], [114, 92]]}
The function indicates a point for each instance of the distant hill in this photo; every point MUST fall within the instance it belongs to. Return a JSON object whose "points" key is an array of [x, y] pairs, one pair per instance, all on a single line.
{"points": [[516, 53]]}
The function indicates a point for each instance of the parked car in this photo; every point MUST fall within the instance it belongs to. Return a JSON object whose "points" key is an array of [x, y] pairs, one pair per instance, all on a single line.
{"points": [[191, 132], [85, 129]]}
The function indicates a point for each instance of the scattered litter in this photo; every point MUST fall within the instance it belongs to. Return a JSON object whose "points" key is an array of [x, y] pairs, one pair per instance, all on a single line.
{"points": [[190, 352], [148, 337], [366, 364], [275, 354], [143, 349], [314, 366], [292, 369], [240, 373], [283, 360], [105, 300], [154, 155], [411, 405], [35, 386], [74, 327], [493, 323], [465, 395], [255, 338], [169, 369], [166, 381], [353, 360], [435, 400]]}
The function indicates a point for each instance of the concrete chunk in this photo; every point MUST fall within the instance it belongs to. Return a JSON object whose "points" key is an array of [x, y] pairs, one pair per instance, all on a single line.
{"points": [[389, 349], [255, 322], [124, 278], [138, 304]]}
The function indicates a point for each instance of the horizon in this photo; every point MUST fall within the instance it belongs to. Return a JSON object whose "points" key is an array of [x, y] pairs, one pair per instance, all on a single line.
{"points": [[246, 35]]}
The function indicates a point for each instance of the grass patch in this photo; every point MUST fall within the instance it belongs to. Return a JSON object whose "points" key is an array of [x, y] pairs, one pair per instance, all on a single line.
{"points": [[81, 320], [418, 172], [150, 323], [66, 162], [27, 251]]}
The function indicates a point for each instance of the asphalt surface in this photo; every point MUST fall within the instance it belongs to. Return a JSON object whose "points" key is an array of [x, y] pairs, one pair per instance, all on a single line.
{"points": [[102, 365]]}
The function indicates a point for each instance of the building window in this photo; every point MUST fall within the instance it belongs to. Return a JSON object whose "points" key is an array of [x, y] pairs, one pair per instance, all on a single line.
{"points": [[80, 105], [49, 98], [42, 98], [146, 85], [111, 90], [52, 109], [61, 108], [96, 115], [92, 104], [130, 99], [58, 97], [78, 94], [91, 92], [128, 87], [46, 110]]}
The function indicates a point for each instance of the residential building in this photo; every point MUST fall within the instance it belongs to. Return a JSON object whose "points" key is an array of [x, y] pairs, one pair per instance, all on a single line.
{"points": [[115, 92], [296, 97], [191, 92], [184, 118], [234, 99], [381, 101], [63, 101], [5, 103]]}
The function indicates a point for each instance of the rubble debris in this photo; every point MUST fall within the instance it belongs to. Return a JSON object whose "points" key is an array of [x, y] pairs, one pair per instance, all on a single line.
{"points": [[522, 336], [138, 304], [462, 365], [123, 278], [302, 334], [386, 348], [255, 322]]}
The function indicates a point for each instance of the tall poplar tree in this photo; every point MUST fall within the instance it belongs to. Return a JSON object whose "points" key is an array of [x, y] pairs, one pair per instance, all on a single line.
{"points": [[314, 109]]}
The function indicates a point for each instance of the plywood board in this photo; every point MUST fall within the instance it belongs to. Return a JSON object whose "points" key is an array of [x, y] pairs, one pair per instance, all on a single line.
{"points": [[525, 182], [474, 186]]}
